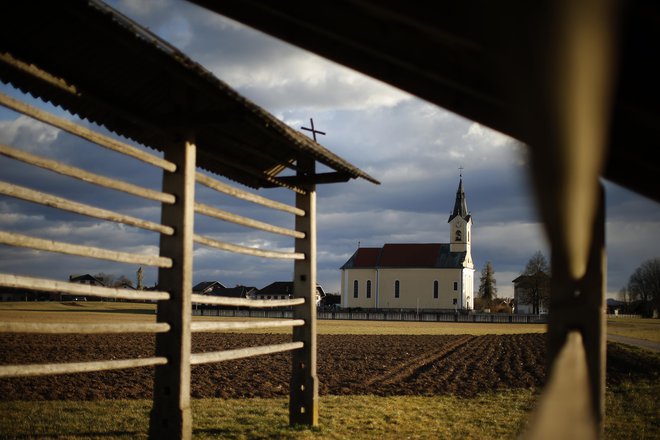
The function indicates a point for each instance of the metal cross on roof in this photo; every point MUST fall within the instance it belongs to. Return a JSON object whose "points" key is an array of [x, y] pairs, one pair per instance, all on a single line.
{"points": [[461, 171], [313, 130]]}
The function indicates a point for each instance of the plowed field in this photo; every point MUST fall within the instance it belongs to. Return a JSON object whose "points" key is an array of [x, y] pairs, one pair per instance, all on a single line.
{"points": [[347, 364]]}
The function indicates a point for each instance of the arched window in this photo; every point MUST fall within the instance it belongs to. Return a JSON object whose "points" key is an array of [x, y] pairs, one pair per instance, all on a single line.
{"points": [[355, 289], [368, 288], [458, 235], [435, 289], [396, 288]]}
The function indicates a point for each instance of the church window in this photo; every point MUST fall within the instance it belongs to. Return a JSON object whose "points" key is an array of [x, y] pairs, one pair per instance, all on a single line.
{"points": [[455, 285], [435, 289], [458, 235], [396, 288], [368, 288], [355, 289], [455, 301]]}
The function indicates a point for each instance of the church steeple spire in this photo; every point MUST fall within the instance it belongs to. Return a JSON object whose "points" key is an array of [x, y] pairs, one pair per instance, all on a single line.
{"points": [[460, 205]]}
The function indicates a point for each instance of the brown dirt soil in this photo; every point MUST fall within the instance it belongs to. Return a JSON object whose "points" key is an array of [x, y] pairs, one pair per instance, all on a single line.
{"points": [[347, 364]]}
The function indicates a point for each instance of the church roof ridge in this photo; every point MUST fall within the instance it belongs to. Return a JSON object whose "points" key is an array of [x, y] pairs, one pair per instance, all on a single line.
{"points": [[391, 255]]}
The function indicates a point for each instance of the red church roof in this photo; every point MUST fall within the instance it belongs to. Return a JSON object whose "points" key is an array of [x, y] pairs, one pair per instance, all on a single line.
{"points": [[411, 255]]}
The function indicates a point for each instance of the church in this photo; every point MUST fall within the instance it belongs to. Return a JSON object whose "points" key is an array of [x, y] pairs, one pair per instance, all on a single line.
{"points": [[415, 276]]}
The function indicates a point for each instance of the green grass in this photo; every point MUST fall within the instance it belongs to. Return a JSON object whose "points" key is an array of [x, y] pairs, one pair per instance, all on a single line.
{"points": [[640, 328], [631, 407], [631, 414], [97, 312], [500, 415]]}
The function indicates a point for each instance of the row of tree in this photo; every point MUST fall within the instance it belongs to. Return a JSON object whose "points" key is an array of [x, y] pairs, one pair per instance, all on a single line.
{"points": [[641, 294]]}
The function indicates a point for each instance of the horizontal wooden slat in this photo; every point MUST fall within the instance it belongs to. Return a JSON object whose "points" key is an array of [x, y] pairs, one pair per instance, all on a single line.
{"points": [[247, 250], [77, 367], [48, 285], [31, 195], [14, 239], [209, 326], [240, 353], [86, 176], [62, 328], [244, 195], [245, 221], [85, 133], [244, 302]]}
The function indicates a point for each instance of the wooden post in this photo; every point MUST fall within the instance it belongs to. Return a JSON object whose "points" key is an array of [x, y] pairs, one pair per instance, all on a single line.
{"points": [[303, 400], [580, 305], [170, 416]]}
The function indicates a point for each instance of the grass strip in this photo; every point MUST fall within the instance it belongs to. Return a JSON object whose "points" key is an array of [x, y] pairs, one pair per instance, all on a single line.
{"points": [[631, 413]]}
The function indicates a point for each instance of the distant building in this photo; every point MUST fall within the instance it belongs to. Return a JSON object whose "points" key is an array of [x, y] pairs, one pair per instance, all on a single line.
{"points": [[284, 290], [415, 275], [207, 286], [521, 293], [86, 279]]}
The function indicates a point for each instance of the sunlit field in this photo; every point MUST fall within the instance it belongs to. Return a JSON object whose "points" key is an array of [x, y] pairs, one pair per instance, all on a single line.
{"points": [[93, 311], [631, 403]]}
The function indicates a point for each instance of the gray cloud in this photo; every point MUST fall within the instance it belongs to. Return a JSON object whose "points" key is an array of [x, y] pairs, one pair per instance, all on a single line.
{"points": [[413, 147]]}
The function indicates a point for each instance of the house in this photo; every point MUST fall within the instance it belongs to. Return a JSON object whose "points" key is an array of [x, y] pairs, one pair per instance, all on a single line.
{"points": [[207, 286], [80, 279], [284, 290], [531, 293], [415, 275], [86, 279]]}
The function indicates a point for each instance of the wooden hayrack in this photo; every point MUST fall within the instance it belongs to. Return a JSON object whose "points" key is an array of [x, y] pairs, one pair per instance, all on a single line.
{"points": [[171, 104]]}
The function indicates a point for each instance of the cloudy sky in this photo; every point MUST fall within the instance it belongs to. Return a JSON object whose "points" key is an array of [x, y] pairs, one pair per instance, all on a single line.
{"points": [[414, 148]]}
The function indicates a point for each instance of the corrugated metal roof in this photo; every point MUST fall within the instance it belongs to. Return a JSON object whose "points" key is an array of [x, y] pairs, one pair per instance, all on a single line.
{"points": [[121, 76], [477, 57], [406, 255]]}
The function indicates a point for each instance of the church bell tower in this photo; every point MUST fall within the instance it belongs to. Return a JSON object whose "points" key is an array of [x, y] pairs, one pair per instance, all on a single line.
{"points": [[460, 222]]}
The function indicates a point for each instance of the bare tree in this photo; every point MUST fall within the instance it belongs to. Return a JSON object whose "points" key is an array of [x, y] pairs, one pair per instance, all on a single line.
{"points": [[106, 278], [487, 289], [535, 282], [644, 285]]}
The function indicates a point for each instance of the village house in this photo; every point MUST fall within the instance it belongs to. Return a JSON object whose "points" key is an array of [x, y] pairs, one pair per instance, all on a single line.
{"points": [[528, 290], [284, 290], [420, 276]]}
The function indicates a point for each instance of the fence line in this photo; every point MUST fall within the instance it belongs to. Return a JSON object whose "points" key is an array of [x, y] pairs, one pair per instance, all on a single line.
{"points": [[376, 316], [48, 285]]}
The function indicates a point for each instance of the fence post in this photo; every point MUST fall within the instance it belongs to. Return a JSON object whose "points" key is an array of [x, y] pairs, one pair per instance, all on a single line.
{"points": [[170, 415], [303, 393], [579, 304]]}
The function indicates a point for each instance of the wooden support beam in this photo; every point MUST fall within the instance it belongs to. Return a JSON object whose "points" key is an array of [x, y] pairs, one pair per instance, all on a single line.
{"points": [[579, 304], [303, 393], [320, 178], [171, 416], [567, 98]]}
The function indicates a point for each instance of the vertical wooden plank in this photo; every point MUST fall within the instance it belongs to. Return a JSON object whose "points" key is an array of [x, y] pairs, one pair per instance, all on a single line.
{"points": [[564, 410], [170, 416], [580, 305], [303, 401]]}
